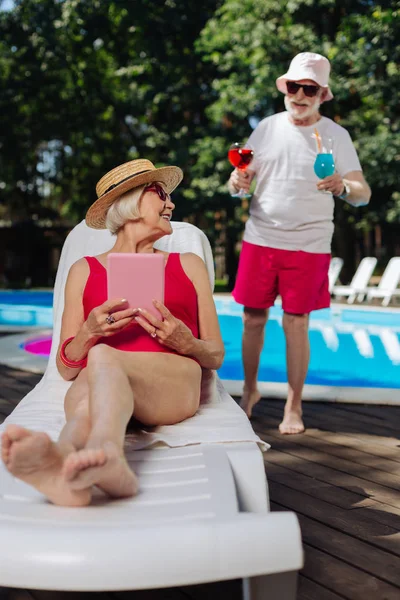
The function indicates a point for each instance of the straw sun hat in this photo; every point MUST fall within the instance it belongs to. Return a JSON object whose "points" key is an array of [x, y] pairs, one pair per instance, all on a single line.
{"points": [[123, 178]]}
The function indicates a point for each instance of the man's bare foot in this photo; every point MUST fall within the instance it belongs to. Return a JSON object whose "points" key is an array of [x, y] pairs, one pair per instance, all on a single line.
{"points": [[249, 400], [104, 467], [292, 423], [32, 457]]}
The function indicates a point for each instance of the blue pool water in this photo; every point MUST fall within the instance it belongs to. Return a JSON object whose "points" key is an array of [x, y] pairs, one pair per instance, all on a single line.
{"points": [[24, 308], [349, 347]]}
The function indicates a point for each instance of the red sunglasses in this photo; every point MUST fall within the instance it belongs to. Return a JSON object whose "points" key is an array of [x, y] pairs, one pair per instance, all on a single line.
{"points": [[309, 90], [158, 189]]}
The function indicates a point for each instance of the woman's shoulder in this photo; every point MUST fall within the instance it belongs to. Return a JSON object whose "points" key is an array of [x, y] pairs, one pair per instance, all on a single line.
{"points": [[192, 264], [79, 269], [191, 259]]}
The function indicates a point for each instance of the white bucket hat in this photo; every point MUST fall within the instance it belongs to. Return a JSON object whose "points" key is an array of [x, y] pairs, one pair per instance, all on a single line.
{"points": [[307, 65]]}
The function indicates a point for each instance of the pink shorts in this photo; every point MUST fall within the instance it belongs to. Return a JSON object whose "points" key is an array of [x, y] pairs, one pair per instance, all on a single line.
{"points": [[301, 279]]}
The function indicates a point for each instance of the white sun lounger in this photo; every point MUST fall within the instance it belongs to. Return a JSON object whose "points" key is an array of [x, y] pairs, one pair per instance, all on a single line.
{"points": [[356, 288], [202, 513], [335, 267], [388, 284]]}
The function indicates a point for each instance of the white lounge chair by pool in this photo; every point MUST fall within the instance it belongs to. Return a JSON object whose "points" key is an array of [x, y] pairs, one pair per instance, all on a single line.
{"points": [[202, 513], [357, 286], [388, 284], [335, 267]]}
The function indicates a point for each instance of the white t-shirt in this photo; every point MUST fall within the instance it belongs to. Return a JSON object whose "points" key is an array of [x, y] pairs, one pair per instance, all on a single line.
{"points": [[287, 211]]}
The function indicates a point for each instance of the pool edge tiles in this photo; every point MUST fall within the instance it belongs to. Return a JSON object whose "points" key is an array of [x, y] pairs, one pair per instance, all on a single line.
{"points": [[321, 393]]}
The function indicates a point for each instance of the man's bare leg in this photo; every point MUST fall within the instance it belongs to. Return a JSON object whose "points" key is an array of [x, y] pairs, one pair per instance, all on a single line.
{"points": [[297, 357], [34, 458], [254, 321]]}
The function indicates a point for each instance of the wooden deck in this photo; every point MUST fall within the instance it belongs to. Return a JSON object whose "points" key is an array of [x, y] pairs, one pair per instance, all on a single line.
{"points": [[342, 478]]}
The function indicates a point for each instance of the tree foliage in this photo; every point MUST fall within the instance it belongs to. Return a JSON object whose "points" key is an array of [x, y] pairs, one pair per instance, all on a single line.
{"points": [[88, 84]]}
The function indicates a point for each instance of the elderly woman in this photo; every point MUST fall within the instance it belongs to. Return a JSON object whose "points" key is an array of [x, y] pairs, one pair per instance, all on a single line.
{"points": [[123, 361]]}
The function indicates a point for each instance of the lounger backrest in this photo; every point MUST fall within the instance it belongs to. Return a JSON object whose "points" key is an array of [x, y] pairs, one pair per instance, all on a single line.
{"points": [[363, 273], [391, 276], [84, 241], [335, 267]]}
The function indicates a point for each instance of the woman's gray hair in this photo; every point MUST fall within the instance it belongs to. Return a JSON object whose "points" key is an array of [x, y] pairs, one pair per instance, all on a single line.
{"points": [[125, 208]]}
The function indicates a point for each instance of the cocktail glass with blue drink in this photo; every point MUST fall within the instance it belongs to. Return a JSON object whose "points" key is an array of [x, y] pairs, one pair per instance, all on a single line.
{"points": [[324, 164]]}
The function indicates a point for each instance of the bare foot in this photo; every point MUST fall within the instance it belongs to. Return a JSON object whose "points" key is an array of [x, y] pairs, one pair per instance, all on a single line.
{"points": [[32, 457], [249, 400], [292, 423], [104, 467]]}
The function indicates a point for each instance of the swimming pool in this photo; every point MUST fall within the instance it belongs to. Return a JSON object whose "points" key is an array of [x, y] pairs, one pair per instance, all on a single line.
{"points": [[21, 308], [349, 347], [354, 352]]}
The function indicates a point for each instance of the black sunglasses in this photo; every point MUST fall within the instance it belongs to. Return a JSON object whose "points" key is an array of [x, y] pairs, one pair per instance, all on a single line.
{"points": [[309, 90], [158, 189]]}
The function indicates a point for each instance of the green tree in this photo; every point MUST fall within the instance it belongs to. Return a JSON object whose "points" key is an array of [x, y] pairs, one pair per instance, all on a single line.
{"points": [[91, 84]]}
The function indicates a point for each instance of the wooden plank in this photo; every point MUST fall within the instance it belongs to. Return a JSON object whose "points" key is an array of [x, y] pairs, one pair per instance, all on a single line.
{"points": [[383, 412], [354, 440], [327, 421], [331, 456], [309, 590], [231, 589], [366, 448], [11, 395], [380, 564], [317, 464], [162, 594], [14, 594], [351, 453], [345, 579], [345, 411], [323, 491], [364, 424], [358, 553], [5, 412], [58, 595], [359, 505], [382, 513], [380, 535]]}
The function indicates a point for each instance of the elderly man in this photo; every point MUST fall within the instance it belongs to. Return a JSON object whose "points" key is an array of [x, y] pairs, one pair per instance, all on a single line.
{"points": [[286, 244]]}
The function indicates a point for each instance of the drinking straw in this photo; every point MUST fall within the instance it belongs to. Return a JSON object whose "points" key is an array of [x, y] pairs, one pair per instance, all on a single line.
{"points": [[318, 138]]}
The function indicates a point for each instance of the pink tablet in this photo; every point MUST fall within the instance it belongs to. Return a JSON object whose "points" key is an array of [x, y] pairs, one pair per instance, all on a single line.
{"points": [[137, 277]]}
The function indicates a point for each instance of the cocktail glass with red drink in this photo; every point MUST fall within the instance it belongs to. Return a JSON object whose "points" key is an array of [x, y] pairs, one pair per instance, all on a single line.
{"points": [[240, 157]]}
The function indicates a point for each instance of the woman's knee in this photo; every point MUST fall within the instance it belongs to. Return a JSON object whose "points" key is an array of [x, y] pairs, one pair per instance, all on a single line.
{"points": [[255, 318], [101, 354]]}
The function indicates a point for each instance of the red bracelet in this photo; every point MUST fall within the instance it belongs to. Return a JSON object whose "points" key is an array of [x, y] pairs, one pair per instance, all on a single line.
{"points": [[72, 364]]}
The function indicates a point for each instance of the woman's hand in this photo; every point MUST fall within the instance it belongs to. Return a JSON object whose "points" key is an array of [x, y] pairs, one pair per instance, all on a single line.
{"points": [[109, 318], [170, 332]]}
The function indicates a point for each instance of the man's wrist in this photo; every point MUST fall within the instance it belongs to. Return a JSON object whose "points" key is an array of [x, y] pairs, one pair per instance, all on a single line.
{"points": [[232, 187], [346, 191]]}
